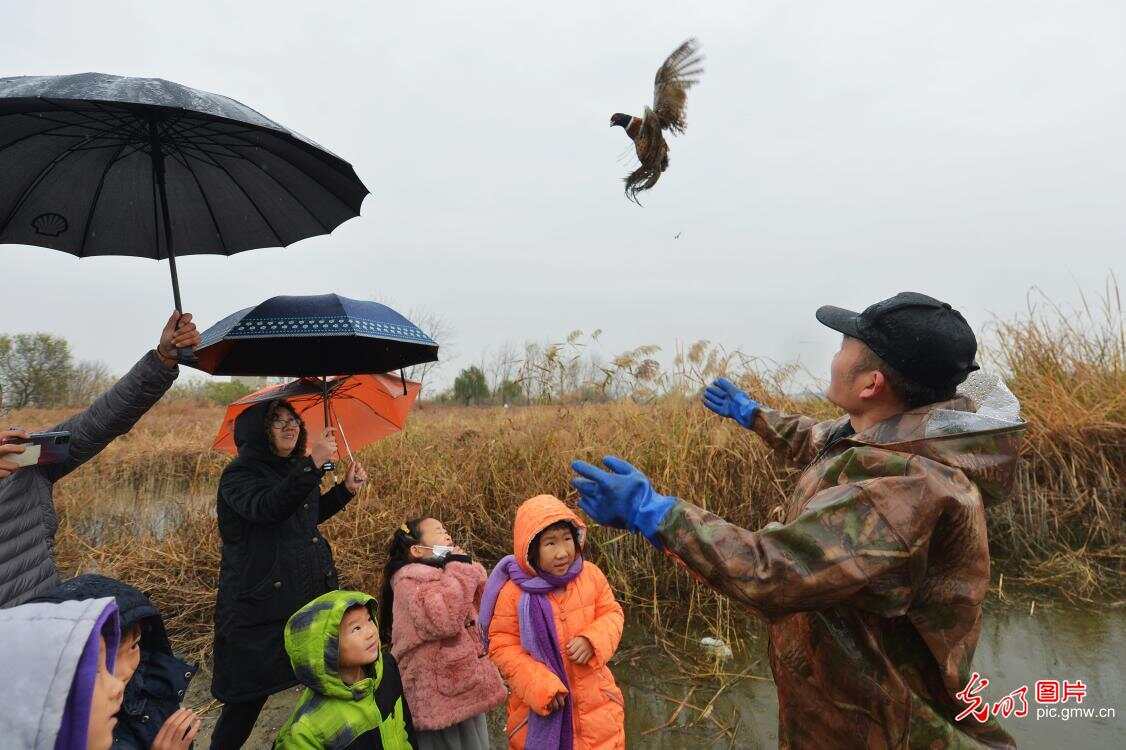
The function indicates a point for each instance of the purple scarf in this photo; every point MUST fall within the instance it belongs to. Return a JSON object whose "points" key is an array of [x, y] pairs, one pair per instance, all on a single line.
{"points": [[538, 637]]}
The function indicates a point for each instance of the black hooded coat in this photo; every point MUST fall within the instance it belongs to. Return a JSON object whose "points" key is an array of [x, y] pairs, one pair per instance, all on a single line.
{"points": [[157, 687], [273, 559]]}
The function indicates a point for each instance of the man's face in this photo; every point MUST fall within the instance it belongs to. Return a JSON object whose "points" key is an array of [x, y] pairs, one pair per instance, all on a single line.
{"points": [[359, 638], [849, 382]]}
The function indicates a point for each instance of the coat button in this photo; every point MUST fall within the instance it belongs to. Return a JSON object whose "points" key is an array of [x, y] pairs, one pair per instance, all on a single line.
{"points": [[180, 693], [305, 506], [277, 585], [314, 540], [145, 719]]}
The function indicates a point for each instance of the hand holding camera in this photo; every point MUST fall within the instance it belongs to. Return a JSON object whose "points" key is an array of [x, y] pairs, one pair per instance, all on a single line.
{"points": [[19, 449]]}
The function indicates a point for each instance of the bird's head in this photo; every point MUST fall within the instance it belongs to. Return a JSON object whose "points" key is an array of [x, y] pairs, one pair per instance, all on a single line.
{"points": [[619, 119]]}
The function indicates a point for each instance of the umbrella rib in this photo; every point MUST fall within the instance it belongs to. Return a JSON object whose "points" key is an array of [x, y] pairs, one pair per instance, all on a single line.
{"points": [[244, 143], [253, 202], [119, 119], [107, 143], [203, 194], [299, 169], [97, 197], [289, 192], [187, 131], [36, 134], [114, 126], [68, 124], [330, 160], [30, 188]]}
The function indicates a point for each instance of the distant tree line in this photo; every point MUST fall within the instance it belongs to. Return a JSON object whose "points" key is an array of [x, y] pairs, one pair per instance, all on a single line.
{"points": [[38, 370]]}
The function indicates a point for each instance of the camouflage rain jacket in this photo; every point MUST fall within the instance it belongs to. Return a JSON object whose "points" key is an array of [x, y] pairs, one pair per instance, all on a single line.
{"points": [[873, 588], [369, 714]]}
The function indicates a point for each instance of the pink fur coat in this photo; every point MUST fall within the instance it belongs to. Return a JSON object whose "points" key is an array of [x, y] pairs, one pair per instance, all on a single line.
{"points": [[447, 675]]}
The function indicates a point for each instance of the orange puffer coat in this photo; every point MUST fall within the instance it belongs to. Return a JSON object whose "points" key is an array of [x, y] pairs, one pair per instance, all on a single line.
{"points": [[585, 607]]}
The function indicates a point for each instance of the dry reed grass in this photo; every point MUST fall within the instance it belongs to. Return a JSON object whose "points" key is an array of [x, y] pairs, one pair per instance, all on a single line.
{"points": [[143, 509]]}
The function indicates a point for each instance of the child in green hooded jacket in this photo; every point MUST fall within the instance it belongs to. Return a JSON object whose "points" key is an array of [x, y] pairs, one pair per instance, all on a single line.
{"points": [[353, 694]]}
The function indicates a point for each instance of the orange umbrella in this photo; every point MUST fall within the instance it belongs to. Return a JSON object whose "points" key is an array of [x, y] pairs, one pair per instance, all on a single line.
{"points": [[363, 408]]}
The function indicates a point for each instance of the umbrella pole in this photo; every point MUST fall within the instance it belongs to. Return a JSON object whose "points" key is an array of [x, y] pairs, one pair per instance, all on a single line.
{"points": [[186, 355], [329, 466]]}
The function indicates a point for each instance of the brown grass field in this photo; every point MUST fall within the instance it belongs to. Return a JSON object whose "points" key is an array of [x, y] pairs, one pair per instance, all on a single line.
{"points": [[143, 510]]}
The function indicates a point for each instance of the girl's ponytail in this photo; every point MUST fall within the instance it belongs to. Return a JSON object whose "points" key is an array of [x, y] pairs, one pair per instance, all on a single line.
{"points": [[398, 555]]}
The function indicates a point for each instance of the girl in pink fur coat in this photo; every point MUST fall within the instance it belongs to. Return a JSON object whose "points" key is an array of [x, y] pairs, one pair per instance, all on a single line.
{"points": [[428, 613]]}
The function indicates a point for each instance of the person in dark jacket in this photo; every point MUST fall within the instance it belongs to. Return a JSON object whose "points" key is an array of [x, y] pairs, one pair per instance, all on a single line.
{"points": [[27, 510], [155, 678], [273, 559]]}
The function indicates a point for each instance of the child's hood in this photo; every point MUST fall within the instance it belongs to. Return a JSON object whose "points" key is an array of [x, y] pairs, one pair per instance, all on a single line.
{"points": [[160, 674], [133, 607], [312, 640], [47, 648], [535, 515]]}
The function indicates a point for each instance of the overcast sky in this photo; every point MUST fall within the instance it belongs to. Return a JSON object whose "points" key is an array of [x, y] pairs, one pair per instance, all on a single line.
{"points": [[836, 153]]}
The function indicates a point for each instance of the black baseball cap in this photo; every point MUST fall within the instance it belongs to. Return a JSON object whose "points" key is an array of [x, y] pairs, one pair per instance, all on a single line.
{"points": [[925, 340]]}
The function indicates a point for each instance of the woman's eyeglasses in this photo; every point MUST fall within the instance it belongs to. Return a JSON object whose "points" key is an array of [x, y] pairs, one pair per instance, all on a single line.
{"points": [[281, 424]]}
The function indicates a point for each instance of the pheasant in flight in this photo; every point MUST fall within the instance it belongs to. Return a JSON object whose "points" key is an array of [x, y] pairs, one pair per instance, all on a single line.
{"points": [[678, 73]]}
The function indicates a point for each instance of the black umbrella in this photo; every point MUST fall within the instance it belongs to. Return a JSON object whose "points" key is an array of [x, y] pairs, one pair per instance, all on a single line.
{"points": [[314, 335], [96, 164]]}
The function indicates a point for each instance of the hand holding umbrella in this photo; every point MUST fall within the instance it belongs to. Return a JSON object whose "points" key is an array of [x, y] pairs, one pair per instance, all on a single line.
{"points": [[179, 333], [355, 478]]}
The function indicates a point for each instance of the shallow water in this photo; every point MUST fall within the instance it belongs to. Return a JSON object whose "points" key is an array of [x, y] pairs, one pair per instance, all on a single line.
{"points": [[1015, 649]]}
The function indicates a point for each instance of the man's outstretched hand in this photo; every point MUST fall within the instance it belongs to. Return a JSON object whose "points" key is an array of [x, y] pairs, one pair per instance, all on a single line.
{"points": [[621, 497], [727, 400], [179, 333]]}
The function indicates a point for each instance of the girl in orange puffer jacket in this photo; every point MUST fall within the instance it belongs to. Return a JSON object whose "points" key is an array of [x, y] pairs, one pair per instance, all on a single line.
{"points": [[553, 624]]}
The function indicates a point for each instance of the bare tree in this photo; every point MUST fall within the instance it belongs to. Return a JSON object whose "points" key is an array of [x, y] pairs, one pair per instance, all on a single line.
{"points": [[88, 380], [501, 368], [438, 327]]}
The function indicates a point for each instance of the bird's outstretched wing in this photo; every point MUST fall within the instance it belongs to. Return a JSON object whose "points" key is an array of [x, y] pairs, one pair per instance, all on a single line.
{"points": [[680, 71]]}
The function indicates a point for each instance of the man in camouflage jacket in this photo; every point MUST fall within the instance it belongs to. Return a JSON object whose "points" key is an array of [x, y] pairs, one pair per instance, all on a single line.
{"points": [[873, 587]]}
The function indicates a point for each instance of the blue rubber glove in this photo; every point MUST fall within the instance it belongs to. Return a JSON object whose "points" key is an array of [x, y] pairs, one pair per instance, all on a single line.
{"points": [[621, 497], [725, 399]]}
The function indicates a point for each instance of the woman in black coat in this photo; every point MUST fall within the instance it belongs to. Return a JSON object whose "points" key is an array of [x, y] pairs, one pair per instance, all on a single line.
{"points": [[274, 559]]}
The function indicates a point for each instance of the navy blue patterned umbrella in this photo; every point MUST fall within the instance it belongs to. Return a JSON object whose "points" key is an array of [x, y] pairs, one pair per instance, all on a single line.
{"points": [[315, 335]]}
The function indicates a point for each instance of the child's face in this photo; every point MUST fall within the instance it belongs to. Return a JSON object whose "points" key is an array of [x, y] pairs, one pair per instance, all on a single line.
{"points": [[106, 702], [431, 533], [359, 639], [556, 552], [128, 654]]}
